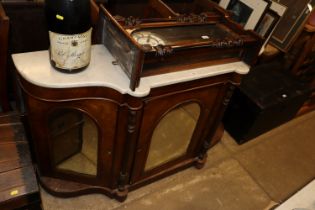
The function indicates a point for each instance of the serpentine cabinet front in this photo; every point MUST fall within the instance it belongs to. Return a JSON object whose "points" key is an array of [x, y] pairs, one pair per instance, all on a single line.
{"points": [[95, 139]]}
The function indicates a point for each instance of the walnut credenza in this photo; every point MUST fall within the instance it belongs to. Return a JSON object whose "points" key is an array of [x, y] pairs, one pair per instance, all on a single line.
{"points": [[92, 133]]}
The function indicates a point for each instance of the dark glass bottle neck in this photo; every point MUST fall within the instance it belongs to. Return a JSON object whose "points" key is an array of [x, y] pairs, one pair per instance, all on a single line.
{"points": [[68, 16]]}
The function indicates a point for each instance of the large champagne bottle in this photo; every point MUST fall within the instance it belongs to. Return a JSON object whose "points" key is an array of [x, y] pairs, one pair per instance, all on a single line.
{"points": [[70, 31]]}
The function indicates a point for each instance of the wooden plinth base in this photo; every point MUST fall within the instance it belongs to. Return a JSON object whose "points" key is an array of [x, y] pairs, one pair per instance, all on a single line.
{"points": [[65, 189]]}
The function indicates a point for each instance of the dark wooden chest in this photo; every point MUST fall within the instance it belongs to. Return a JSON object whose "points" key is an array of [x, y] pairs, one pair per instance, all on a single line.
{"points": [[265, 99]]}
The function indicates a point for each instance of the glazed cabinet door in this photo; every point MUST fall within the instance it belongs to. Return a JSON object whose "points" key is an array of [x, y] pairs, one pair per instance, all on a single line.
{"points": [[74, 139], [173, 129]]}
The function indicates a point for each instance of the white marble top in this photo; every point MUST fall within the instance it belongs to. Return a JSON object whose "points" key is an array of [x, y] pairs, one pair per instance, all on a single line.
{"points": [[35, 68]]}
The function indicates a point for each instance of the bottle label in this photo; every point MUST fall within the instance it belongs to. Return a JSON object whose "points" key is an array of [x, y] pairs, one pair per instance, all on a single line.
{"points": [[70, 52]]}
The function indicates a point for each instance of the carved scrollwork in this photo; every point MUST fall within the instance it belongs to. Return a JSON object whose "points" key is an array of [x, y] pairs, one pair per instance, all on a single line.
{"points": [[162, 50], [227, 43], [128, 21], [192, 18]]}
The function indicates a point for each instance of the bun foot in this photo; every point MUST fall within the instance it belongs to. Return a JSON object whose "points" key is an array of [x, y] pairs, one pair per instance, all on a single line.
{"points": [[121, 194], [200, 163]]}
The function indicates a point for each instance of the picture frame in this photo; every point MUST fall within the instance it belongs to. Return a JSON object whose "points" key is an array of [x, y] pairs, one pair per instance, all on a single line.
{"points": [[292, 23], [270, 21], [267, 23], [247, 13], [278, 8]]}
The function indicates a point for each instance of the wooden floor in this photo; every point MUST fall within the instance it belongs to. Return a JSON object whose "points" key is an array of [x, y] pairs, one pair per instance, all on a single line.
{"points": [[18, 185]]}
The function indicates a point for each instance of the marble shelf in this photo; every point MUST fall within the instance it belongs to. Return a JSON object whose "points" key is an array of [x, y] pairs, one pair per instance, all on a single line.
{"points": [[36, 69]]}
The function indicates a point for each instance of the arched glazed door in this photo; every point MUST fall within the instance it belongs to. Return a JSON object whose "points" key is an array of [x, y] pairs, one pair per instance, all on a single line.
{"points": [[172, 135], [74, 139], [172, 130]]}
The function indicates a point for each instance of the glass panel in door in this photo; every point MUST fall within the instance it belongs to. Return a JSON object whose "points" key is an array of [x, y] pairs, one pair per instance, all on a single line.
{"points": [[171, 137], [74, 144]]}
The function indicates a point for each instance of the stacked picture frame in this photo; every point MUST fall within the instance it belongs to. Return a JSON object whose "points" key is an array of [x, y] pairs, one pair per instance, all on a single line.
{"points": [[264, 17], [291, 24], [247, 13], [270, 19]]}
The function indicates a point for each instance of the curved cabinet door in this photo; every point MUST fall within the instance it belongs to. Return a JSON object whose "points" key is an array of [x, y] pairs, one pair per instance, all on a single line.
{"points": [[74, 139], [172, 130]]}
